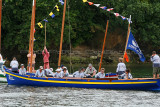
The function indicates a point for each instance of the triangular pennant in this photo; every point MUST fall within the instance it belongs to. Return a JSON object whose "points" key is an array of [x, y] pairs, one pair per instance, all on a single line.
{"points": [[110, 9], [124, 18], [84, 1], [62, 2], [40, 25], [103, 7], [97, 5], [45, 20], [126, 57], [116, 14], [90, 3]]}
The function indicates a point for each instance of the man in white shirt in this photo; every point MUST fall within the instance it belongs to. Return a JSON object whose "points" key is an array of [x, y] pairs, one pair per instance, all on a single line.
{"points": [[14, 65], [156, 64], [100, 74], [22, 70], [58, 73]]}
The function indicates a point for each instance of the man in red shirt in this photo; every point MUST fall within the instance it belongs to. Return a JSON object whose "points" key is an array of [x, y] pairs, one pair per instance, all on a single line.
{"points": [[46, 56]]}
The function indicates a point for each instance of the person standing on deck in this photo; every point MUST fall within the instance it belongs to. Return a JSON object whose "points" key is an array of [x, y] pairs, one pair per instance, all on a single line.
{"points": [[33, 61], [100, 74], [121, 68], [90, 70], [46, 56], [156, 64], [22, 70], [14, 65], [1, 63]]}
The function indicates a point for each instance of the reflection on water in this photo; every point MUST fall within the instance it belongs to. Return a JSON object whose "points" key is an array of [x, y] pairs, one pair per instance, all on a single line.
{"points": [[64, 97]]}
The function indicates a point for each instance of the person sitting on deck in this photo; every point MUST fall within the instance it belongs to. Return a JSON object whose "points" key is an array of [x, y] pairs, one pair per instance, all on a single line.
{"points": [[62, 67], [100, 74], [121, 67], [22, 70], [90, 70], [156, 64], [33, 60], [49, 72], [58, 73], [46, 56], [40, 72], [14, 65], [127, 75], [80, 73], [65, 73]]}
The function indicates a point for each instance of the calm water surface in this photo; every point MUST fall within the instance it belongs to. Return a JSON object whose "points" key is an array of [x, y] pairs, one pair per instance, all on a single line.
{"points": [[71, 97]]}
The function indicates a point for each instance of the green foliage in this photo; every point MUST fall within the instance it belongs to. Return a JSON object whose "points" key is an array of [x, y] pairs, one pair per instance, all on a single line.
{"points": [[85, 21]]}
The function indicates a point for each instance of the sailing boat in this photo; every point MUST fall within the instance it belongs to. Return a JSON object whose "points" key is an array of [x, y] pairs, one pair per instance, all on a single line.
{"points": [[102, 83]]}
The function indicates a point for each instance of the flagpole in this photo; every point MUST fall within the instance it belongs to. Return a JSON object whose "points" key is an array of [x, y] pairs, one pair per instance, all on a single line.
{"points": [[103, 46], [45, 35], [127, 38], [0, 23], [62, 31]]}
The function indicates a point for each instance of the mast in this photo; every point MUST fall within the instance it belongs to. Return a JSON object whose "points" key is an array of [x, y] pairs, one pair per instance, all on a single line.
{"points": [[0, 22], [45, 35], [62, 31], [103, 45], [31, 43], [127, 38]]}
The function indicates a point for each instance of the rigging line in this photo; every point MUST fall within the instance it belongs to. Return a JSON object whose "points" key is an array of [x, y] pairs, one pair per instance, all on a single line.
{"points": [[69, 35]]}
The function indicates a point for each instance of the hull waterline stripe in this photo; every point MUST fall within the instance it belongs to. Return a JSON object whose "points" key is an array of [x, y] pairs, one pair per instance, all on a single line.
{"points": [[77, 82]]}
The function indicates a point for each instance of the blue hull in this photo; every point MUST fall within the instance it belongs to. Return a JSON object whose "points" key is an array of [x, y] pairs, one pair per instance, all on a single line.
{"points": [[145, 84]]}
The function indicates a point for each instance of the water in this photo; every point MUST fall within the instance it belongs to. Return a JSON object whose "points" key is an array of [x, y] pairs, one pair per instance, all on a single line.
{"points": [[71, 97]]}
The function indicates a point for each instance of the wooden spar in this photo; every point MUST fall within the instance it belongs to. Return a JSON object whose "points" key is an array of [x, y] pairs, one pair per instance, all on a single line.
{"points": [[103, 46], [45, 35], [62, 31], [0, 22], [127, 39], [32, 34]]}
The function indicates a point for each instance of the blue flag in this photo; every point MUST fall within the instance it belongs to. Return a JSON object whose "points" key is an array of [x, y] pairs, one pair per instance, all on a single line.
{"points": [[132, 45]]}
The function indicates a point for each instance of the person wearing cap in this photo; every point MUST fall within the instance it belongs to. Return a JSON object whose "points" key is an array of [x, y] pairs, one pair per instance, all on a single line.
{"points": [[62, 67], [156, 64], [80, 73], [100, 74], [40, 72], [121, 68], [90, 70], [58, 73], [22, 70], [46, 56], [64, 72], [49, 72]]}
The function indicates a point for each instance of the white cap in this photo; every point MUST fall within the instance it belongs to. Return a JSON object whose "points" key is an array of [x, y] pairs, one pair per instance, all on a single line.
{"points": [[41, 67], [51, 69], [58, 69], [64, 67]]}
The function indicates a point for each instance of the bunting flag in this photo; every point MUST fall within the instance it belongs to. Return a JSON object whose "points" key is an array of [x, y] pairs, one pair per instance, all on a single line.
{"points": [[97, 5], [90, 3], [116, 14], [57, 8], [34, 39], [126, 57], [34, 30], [51, 14], [103, 7], [109, 9], [62, 2], [129, 20], [132, 45], [45, 20], [124, 18], [84, 1], [40, 25]]}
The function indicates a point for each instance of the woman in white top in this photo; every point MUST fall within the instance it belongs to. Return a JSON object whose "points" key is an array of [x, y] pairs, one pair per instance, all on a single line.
{"points": [[22, 70], [14, 65]]}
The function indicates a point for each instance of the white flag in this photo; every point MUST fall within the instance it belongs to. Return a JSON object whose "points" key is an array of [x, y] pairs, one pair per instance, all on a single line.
{"points": [[33, 2], [97, 5]]}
